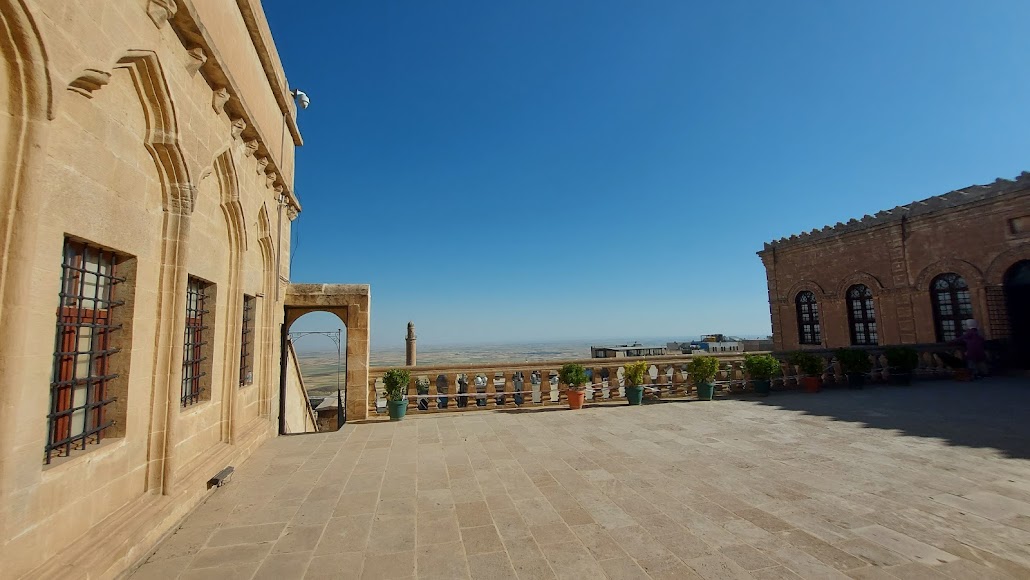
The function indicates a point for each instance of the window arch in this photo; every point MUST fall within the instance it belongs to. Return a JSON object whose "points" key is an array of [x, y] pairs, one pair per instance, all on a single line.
{"points": [[951, 305], [808, 318], [861, 315]]}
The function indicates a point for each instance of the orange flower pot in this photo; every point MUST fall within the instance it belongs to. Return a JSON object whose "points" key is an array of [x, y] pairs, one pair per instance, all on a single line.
{"points": [[576, 399], [812, 384]]}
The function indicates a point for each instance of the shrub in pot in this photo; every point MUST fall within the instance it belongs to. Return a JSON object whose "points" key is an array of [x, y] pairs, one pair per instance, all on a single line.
{"points": [[811, 367], [634, 374], [396, 383], [703, 369], [855, 364], [901, 360], [761, 368], [575, 376]]}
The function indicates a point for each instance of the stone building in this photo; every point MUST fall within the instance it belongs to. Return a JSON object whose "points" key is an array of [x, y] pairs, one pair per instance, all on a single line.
{"points": [[911, 274], [146, 183]]}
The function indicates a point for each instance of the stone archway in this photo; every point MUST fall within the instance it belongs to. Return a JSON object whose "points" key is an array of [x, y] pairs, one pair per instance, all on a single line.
{"points": [[350, 302], [1016, 286]]}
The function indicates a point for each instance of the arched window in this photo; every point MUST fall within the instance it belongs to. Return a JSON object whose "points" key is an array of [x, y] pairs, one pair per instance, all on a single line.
{"points": [[951, 305], [808, 318], [861, 315]]}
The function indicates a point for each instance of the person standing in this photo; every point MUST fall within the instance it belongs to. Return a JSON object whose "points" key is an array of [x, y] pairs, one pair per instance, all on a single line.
{"points": [[975, 351]]}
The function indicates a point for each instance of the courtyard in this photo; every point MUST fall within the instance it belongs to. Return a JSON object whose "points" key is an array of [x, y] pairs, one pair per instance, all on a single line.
{"points": [[925, 481]]}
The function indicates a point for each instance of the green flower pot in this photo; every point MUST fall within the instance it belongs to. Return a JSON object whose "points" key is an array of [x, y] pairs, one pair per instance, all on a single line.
{"points": [[762, 386], [705, 391], [634, 395], [397, 409]]}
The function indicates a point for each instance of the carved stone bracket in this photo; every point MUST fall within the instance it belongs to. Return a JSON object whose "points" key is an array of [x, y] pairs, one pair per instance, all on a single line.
{"points": [[238, 125], [160, 11], [270, 178], [197, 58], [219, 98], [90, 80], [291, 212], [261, 163], [250, 148]]}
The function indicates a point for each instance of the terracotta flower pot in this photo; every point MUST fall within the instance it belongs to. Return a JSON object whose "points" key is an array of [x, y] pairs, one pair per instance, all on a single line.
{"points": [[576, 399], [812, 384]]}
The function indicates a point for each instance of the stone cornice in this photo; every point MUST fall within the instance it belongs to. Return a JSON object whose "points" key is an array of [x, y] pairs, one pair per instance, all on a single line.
{"points": [[930, 205], [227, 95]]}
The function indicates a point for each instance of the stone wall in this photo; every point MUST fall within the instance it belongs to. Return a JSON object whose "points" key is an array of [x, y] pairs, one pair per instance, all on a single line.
{"points": [[976, 232], [153, 129]]}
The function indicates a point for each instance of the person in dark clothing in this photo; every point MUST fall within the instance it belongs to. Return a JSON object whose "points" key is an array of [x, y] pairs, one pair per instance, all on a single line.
{"points": [[975, 352]]}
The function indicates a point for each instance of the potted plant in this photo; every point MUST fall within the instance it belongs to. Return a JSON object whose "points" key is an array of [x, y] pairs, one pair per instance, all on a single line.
{"points": [[634, 374], [761, 368], [901, 360], [396, 383], [855, 364], [811, 367], [702, 369], [422, 389], [575, 376]]}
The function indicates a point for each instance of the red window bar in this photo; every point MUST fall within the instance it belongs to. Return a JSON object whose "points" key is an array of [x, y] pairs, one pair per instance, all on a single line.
{"points": [[247, 342], [82, 350], [193, 345]]}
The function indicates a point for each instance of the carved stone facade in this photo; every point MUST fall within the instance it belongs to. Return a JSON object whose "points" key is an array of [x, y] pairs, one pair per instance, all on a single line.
{"points": [[905, 257], [149, 132]]}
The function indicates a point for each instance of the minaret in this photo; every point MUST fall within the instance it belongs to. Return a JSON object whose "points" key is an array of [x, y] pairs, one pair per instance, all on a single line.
{"points": [[410, 343]]}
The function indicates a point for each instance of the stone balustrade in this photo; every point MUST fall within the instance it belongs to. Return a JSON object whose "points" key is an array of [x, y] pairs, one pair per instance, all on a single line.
{"points": [[535, 384]]}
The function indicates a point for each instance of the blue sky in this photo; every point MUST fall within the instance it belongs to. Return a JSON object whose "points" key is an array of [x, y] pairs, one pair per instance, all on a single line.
{"points": [[551, 169]]}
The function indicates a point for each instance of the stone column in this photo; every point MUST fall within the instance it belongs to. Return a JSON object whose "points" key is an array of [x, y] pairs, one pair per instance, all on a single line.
{"points": [[409, 353]]}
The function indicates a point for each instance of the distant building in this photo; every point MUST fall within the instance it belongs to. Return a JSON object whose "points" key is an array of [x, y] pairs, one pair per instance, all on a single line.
{"points": [[709, 343], [916, 273], [626, 350]]}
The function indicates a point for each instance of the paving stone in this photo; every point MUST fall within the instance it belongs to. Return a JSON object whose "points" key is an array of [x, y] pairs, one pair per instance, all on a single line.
{"points": [[441, 561], [835, 485]]}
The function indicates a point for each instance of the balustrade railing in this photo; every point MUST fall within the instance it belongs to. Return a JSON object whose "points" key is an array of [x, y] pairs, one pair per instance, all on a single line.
{"points": [[535, 384]]}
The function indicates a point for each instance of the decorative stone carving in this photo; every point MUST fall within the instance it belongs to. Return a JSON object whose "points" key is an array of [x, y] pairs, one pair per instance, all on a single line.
{"points": [[160, 11], [250, 147], [270, 178], [90, 80], [182, 199], [292, 212], [219, 98], [238, 125], [197, 58], [262, 162]]}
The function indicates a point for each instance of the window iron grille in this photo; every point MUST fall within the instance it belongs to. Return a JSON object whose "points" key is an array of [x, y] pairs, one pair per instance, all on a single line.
{"points": [[862, 315], [952, 305], [808, 318], [247, 342], [81, 373], [194, 341]]}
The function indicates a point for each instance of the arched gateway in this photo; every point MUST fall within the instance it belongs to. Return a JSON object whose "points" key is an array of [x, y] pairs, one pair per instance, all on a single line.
{"points": [[350, 302]]}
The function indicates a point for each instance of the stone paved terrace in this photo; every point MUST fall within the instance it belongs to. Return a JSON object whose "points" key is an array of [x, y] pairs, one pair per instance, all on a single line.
{"points": [[927, 481]]}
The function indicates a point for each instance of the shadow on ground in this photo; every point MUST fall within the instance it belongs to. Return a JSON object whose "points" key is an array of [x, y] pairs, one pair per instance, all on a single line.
{"points": [[990, 413]]}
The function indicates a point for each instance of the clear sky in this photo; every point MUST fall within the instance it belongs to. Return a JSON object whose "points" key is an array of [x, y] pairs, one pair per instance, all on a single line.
{"points": [[553, 169]]}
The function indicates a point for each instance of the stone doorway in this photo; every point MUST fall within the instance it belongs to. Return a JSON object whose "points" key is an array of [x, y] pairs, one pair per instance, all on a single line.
{"points": [[350, 303], [1017, 303]]}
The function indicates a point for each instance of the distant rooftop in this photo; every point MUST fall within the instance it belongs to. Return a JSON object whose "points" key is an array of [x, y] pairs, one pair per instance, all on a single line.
{"points": [[952, 199]]}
